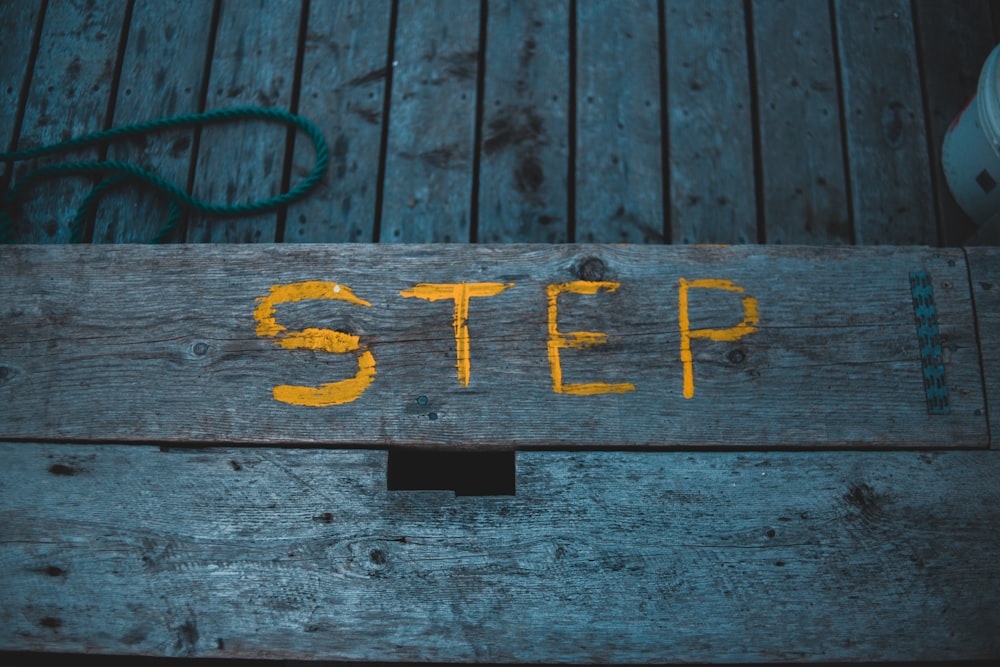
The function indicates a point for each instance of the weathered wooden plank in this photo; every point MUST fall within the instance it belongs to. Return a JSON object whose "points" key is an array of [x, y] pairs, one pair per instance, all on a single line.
{"points": [[429, 162], [600, 557], [619, 151], [343, 92], [954, 40], [524, 162], [70, 89], [802, 161], [161, 76], [253, 64], [889, 169], [984, 270], [712, 197], [740, 346], [18, 24]]}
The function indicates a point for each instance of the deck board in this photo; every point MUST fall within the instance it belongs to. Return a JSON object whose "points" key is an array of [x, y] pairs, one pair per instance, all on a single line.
{"points": [[343, 91], [887, 154], [802, 161], [253, 64], [69, 96], [18, 25], [887, 150], [524, 163], [712, 197], [429, 164], [162, 72], [619, 182], [601, 557]]}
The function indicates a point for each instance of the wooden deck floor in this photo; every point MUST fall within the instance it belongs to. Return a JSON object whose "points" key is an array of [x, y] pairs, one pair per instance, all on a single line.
{"points": [[806, 122], [813, 122]]}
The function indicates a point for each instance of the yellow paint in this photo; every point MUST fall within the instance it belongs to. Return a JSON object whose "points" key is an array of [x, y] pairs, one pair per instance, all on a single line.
{"points": [[460, 293], [749, 324], [577, 340], [335, 342]]}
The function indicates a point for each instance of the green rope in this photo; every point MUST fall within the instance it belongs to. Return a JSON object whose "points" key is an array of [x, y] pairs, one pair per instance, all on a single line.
{"points": [[123, 173]]}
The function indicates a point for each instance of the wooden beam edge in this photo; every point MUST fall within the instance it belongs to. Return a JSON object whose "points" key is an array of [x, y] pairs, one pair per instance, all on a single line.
{"points": [[984, 284]]}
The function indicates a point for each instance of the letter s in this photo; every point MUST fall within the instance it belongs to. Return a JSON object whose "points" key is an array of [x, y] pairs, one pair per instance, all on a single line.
{"points": [[335, 342]]}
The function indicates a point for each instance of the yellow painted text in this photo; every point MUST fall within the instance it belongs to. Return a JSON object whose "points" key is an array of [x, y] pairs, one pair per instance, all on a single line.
{"points": [[327, 340], [747, 326], [460, 293], [577, 340]]}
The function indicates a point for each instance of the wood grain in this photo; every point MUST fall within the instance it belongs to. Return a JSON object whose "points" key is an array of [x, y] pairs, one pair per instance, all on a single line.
{"points": [[161, 76], [253, 65], [524, 161], [955, 38], [343, 92], [802, 162], [712, 197], [619, 174], [890, 173], [163, 347], [984, 270], [601, 557], [429, 164], [18, 24], [70, 89]]}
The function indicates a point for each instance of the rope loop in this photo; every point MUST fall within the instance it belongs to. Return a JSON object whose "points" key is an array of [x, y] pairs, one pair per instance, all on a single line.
{"points": [[117, 174]]}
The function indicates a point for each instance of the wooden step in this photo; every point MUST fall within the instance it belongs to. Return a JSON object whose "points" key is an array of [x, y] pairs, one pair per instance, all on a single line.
{"points": [[519, 346], [600, 557]]}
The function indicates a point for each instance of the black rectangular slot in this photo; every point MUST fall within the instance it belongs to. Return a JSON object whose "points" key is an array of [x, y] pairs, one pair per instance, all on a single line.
{"points": [[465, 473]]}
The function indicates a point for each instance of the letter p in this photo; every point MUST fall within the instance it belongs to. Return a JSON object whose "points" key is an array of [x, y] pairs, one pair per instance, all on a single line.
{"points": [[747, 326]]}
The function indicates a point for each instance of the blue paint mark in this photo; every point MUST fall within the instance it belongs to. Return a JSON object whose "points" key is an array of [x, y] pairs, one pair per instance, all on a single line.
{"points": [[931, 358]]}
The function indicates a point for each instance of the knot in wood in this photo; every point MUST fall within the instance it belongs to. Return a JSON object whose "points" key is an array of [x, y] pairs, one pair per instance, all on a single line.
{"points": [[591, 269]]}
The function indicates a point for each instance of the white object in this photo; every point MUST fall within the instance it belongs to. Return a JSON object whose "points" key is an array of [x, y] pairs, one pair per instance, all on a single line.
{"points": [[971, 154]]}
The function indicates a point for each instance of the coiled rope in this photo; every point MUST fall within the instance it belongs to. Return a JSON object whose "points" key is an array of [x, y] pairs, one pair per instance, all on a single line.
{"points": [[118, 173]]}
